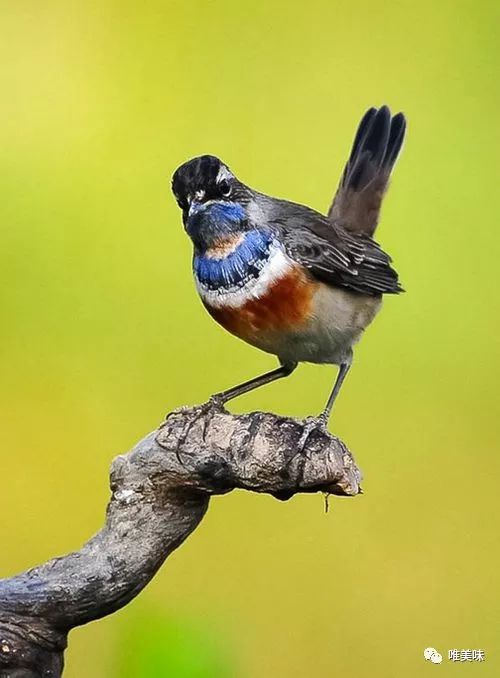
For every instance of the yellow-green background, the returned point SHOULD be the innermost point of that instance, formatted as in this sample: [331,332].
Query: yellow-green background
[102,333]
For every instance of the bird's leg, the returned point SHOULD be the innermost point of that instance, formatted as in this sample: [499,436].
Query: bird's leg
[342,374]
[225,396]
[321,422]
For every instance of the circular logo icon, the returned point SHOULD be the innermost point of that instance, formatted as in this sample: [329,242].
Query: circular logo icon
[432,655]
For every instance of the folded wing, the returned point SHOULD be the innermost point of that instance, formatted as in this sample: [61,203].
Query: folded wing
[334,255]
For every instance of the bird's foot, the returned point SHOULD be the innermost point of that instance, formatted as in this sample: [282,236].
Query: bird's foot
[206,411]
[215,402]
[311,424]
[214,405]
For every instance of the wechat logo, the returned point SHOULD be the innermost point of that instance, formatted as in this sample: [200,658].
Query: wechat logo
[432,655]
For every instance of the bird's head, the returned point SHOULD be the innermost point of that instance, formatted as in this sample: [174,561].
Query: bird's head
[212,200]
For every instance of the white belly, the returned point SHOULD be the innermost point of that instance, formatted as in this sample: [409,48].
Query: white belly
[338,320]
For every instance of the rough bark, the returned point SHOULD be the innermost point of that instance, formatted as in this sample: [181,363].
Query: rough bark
[160,492]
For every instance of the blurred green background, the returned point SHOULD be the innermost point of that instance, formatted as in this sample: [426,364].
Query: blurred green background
[102,332]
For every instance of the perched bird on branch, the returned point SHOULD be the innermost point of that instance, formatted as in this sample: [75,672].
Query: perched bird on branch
[283,277]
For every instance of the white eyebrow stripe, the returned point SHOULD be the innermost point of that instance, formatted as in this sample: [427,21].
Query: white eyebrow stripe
[223,173]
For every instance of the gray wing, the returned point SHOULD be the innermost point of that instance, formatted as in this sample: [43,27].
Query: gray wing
[331,253]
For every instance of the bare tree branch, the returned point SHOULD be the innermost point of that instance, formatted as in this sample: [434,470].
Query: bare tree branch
[160,492]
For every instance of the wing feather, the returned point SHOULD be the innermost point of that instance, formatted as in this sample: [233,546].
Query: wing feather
[333,254]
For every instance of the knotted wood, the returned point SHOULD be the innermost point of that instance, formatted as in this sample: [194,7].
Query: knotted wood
[160,493]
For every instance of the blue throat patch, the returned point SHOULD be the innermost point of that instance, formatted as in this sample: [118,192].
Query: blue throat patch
[212,220]
[236,268]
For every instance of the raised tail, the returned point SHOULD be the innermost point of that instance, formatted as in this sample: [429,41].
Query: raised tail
[366,175]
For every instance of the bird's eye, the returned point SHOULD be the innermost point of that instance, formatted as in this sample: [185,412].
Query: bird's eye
[224,188]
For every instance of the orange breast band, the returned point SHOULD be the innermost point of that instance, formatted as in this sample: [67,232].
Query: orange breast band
[285,305]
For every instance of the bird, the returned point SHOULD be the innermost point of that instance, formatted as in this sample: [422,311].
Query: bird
[283,277]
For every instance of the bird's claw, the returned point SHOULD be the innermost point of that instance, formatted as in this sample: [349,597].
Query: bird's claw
[211,407]
[215,402]
[311,424]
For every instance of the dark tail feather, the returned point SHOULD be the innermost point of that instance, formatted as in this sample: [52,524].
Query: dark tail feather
[396,136]
[363,128]
[366,175]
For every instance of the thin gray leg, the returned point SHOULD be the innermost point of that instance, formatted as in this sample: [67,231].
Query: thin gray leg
[282,371]
[343,370]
